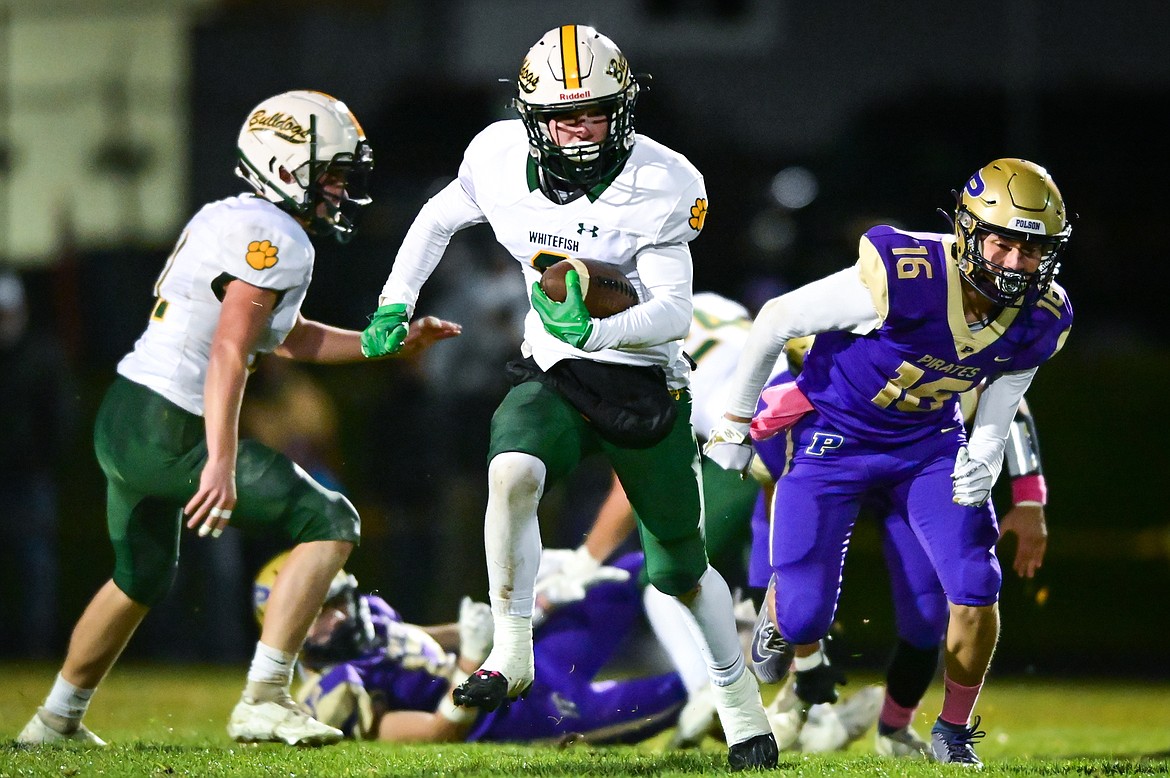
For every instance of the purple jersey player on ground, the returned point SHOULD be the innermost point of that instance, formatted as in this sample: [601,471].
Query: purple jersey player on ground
[919,319]
[376,677]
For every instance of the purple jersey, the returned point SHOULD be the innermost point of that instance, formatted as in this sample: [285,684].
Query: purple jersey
[899,383]
[405,670]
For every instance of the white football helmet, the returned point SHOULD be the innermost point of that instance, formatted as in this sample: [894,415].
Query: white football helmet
[1017,199]
[296,147]
[571,68]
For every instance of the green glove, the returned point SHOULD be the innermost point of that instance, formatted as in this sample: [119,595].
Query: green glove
[570,321]
[386,332]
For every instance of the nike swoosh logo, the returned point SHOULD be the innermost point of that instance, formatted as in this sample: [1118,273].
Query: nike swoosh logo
[949,429]
[763,638]
[1003,359]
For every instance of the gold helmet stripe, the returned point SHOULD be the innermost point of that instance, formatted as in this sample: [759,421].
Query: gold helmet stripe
[569,64]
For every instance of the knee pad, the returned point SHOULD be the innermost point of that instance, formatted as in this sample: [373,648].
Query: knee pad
[146,549]
[321,514]
[675,567]
[516,472]
[146,585]
[802,616]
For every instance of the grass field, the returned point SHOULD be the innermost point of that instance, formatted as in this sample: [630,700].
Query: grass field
[169,720]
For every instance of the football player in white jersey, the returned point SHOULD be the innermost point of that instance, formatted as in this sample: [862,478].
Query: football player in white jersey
[571,179]
[167,434]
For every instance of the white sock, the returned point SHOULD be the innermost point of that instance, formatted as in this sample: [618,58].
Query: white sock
[271,666]
[715,631]
[675,629]
[68,701]
[803,663]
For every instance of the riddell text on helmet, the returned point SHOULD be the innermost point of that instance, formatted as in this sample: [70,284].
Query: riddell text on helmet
[583,94]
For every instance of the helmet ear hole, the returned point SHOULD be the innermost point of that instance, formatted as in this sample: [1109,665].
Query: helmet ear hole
[285,176]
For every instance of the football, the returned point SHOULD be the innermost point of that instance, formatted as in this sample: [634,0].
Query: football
[605,288]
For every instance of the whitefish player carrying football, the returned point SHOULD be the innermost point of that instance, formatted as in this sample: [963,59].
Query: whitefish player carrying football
[572,179]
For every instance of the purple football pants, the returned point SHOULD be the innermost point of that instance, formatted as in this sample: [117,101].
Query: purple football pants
[932,546]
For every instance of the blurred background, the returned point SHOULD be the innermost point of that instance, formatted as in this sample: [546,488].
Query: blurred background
[810,120]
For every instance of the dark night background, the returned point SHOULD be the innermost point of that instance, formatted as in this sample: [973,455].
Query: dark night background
[889,109]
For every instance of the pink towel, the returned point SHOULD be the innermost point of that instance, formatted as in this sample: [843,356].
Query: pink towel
[784,404]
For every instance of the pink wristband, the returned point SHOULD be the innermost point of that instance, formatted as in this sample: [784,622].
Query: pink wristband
[1029,488]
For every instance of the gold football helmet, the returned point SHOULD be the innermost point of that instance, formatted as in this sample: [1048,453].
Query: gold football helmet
[795,350]
[572,68]
[1016,199]
[348,640]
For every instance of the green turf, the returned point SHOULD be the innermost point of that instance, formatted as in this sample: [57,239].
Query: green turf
[169,720]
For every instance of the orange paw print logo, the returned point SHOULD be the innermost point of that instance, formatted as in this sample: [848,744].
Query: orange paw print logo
[262,254]
[698,214]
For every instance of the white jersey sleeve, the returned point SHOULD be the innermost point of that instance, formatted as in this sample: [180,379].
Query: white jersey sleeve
[243,238]
[449,211]
[840,301]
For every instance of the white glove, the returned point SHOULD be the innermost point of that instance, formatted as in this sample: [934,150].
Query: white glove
[972,480]
[552,561]
[577,574]
[729,446]
[476,630]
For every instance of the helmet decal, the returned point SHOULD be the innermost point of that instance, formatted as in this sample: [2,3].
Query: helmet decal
[528,80]
[1027,225]
[261,254]
[976,186]
[285,127]
[570,65]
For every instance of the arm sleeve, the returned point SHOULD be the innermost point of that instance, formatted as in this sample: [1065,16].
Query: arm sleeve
[666,273]
[449,211]
[1023,444]
[997,409]
[840,301]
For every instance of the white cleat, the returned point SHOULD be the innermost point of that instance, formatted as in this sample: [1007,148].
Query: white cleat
[903,743]
[834,727]
[37,733]
[278,722]
[698,719]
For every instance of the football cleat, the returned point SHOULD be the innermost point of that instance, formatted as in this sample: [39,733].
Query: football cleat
[755,753]
[278,722]
[486,689]
[36,733]
[902,743]
[834,727]
[698,719]
[955,743]
[771,653]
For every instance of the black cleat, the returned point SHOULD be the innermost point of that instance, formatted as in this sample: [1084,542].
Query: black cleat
[485,689]
[819,685]
[755,753]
